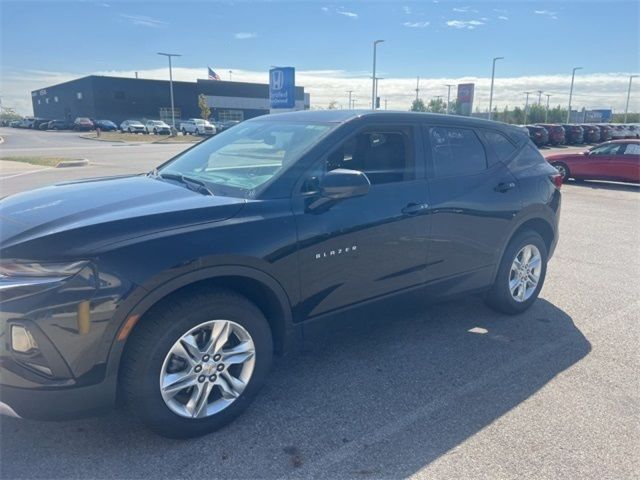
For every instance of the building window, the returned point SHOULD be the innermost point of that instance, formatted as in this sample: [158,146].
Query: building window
[79,95]
[46,100]
[55,99]
[38,101]
[118,95]
[230,115]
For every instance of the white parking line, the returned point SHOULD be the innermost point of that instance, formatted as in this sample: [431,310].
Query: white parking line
[23,173]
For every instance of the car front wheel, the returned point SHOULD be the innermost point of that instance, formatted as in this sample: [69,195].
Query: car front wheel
[196,363]
[520,275]
[563,170]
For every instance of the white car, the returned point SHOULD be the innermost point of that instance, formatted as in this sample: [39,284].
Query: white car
[132,126]
[158,127]
[197,126]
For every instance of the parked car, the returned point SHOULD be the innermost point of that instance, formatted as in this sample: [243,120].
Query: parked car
[226,125]
[26,122]
[15,123]
[132,126]
[633,131]
[157,127]
[555,132]
[106,125]
[538,135]
[617,160]
[591,133]
[573,134]
[197,126]
[44,125]
[174,288]
[39,121]
[83,124]
[618,131]
[60,125]
[605,132]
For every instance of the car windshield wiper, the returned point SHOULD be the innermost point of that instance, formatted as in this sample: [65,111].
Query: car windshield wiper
[192,183]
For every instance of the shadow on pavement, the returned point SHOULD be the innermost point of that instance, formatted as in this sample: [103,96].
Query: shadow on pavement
[603,185]
[381,396]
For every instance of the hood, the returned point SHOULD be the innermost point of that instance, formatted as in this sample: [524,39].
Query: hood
[85,216]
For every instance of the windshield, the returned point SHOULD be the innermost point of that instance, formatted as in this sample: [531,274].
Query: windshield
[239,161]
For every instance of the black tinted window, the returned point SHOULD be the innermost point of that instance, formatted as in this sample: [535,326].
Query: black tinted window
[501,145]
[456,151]
[385,155]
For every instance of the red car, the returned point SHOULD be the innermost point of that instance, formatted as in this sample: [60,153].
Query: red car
[556,133]
[618,160]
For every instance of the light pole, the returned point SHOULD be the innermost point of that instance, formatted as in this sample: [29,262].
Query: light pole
[173,117]
[526,106]
[448,85]
[230,73]
[417,88]
[493,74]
[573,76]
[373,86]
[349,92]
[626,108]
[546,113]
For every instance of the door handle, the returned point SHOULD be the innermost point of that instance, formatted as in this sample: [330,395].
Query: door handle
[505,187]
[413,208]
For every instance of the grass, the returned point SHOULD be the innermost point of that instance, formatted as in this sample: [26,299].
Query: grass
[44,161]
[139,137]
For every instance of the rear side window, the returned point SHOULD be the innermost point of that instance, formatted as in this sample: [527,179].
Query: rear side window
[501,145]
[632,149]
[456,151]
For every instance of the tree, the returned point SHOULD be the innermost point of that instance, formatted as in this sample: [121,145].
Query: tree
[205,111]
[418,106]
[9,114]
[517,116]
[436,105]
[333,105]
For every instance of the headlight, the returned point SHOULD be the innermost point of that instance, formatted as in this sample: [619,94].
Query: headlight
[20,269]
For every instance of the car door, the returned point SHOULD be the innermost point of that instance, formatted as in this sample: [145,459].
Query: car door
[598,163]
[365,247]
[628,163]
[474,198]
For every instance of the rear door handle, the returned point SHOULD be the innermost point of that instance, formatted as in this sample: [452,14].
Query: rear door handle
[505,186]
[413,208]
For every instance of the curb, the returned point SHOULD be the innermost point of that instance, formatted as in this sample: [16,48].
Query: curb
[102,139]
[81,162]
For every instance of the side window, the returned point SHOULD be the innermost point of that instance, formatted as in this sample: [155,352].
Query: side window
[501,145]
[456,151]
[632,149]
[385,155]
[611,149]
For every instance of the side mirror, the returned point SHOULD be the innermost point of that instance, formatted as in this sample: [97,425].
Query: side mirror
[337,185]
[342,183]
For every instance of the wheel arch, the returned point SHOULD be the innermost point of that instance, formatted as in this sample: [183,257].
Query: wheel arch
[260,288]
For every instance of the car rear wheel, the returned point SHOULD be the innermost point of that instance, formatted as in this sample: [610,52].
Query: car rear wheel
[195,364]
[563,170]
[520,275]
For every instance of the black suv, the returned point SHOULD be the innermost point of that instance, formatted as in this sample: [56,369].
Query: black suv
[172,290]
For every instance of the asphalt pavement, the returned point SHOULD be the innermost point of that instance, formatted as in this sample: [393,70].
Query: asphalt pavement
[443,391]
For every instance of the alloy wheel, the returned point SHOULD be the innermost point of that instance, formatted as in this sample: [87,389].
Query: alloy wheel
[207,369]
[525,273]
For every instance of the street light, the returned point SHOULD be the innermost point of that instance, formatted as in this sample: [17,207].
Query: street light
[493,73]
[526,106]
[448,85]
[546,113]
[626,108]
[173,117]
[373,86]
[573,75]
[349,92]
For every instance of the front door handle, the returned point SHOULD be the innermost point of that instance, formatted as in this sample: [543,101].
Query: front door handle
[505,187]
[413,208]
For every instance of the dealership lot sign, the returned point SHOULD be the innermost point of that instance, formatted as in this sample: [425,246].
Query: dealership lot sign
[282,83]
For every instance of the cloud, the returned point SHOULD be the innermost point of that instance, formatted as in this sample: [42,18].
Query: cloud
[245,35]
[500,10]
[347,14]
[407,10]
[502,17]
[547,13]
[143,21]
[465,24]
[324,9]
[416,24]
[596,90]
[465,10]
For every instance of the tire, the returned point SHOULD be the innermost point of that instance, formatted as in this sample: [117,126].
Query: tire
[148,360]
[563,170]
[129,130]
[500,296]
[184,132]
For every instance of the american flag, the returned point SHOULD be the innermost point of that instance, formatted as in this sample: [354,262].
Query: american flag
[213,75]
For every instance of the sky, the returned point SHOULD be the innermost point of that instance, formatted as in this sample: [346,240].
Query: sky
[330,44]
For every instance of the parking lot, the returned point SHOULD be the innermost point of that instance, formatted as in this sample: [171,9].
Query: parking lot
[452,390]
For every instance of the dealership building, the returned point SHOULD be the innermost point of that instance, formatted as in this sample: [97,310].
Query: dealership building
[119,99]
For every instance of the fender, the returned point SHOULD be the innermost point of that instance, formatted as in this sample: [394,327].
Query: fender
[141,300]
